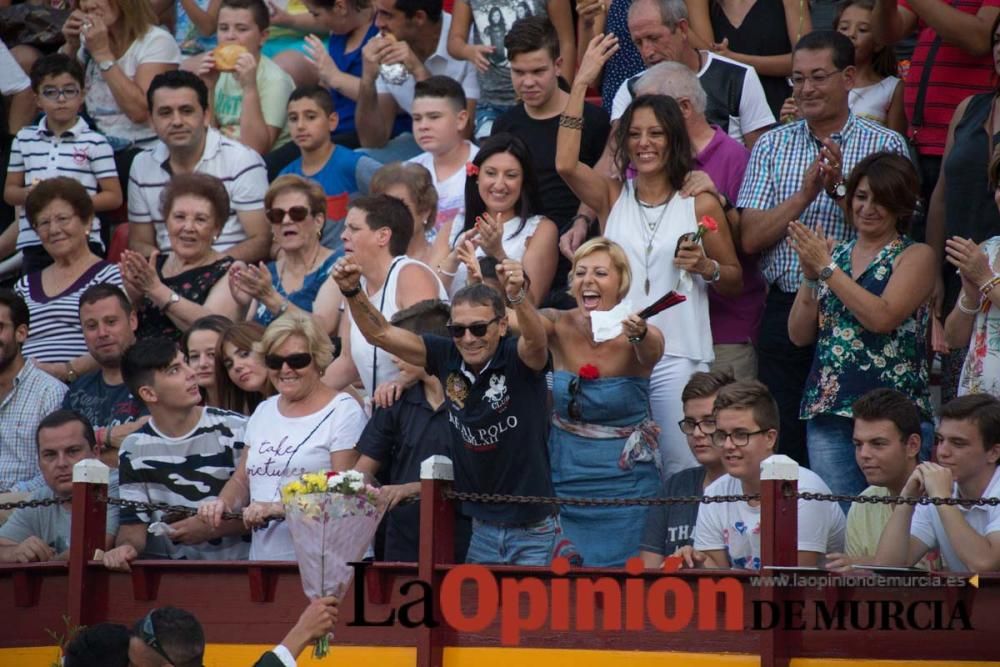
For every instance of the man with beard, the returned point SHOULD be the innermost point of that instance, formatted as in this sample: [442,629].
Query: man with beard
[27,394]
[108,322]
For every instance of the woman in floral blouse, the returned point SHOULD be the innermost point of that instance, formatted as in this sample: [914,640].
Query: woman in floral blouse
[976,315]
[864,304]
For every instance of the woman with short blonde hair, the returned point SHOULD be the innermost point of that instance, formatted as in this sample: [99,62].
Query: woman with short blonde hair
[305,427]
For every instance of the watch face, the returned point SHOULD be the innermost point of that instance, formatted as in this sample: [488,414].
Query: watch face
[825,273]
[840,190]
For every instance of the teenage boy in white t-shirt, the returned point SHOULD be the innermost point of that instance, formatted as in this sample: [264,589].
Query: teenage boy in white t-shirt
[968,449]
[728,534]
[440,118]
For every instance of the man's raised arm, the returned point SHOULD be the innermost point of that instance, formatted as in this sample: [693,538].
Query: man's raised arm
[374,327]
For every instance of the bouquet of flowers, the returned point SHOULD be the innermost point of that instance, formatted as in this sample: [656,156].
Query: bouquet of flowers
[332,517]
[706,224]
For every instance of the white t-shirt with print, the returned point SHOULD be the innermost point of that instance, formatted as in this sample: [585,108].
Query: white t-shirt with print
[451,191]
[735,527]
[156,46]
[927,527]
[279,447]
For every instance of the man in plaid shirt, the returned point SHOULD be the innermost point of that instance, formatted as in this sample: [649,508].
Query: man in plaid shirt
[798,172]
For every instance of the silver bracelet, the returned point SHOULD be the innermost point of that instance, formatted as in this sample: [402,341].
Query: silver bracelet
[965,309]
[450,274]
[519,299]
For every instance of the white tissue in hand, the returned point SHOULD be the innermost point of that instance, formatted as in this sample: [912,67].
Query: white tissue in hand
[607,324]
[160,529]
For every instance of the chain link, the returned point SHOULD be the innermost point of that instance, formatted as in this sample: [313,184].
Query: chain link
[44,502]
[499,498]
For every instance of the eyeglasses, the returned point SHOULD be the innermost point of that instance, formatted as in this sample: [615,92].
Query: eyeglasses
[69,92]
[55,221]
[296,213]
[573,409]
[296,361]
[148,632]
[816,79]
[688,426]
[739,437]
[478,329]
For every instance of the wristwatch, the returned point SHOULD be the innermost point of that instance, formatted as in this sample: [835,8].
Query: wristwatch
[827,271]
[838,192]
[174,298]
[105,65]
[715,274]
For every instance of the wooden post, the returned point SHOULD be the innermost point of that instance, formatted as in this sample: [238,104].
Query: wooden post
[779,512]
[88,594]
[437,546]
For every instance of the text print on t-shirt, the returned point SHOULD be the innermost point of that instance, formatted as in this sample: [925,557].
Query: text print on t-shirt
[276,463]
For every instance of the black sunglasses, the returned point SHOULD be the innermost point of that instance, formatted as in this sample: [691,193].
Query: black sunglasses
[574,405]
[478,329]
[295,361]
[296,213]
[148,632]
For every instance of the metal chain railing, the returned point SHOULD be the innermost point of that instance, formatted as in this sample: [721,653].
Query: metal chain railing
[498,498]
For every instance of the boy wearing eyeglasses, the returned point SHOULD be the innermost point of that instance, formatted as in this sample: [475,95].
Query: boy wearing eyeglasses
[342,172]
[727,535]
[670,527]
[61,144]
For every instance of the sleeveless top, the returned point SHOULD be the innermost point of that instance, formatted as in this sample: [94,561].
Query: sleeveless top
[686,328]
[850,361]
[373,364]
[872,102]
[193,284]
[981,370]
[304,296]
[970,211]
[514,244]
[762,33]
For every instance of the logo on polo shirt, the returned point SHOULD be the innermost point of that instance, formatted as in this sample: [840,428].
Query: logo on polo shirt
[497,393]
[457,389]
[80,155]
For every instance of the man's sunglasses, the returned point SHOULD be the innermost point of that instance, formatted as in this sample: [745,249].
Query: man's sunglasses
[147,633]
[573,409]
[296,213]
[295,361]
[478,329]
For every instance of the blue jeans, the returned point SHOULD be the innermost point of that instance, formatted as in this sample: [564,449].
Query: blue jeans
[528,544]
[486,113]
[830,439]
[398,149]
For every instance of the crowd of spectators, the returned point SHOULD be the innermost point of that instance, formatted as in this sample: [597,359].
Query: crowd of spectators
[246,242]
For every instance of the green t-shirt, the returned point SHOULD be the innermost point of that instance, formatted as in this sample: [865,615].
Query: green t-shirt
[274,86]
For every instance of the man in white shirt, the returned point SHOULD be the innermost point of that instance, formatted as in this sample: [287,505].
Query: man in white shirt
[178,111]
[728,534]
[967,454]
[16,87]
[414,34]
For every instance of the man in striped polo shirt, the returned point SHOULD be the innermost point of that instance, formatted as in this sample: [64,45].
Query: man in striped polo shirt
[179,112]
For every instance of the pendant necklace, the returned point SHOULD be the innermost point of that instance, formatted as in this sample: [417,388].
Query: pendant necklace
[649,229]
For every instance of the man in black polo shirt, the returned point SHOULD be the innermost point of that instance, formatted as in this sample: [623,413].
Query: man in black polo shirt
[495,389]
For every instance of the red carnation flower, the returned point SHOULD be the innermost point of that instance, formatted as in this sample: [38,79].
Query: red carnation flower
[471,169]
[589,372]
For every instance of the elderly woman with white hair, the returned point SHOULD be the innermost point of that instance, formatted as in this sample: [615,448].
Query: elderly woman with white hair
[719,164]
[305,427]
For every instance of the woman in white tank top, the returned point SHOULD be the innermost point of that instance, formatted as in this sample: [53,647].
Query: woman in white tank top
[649,218]
[501,199]
[376,233]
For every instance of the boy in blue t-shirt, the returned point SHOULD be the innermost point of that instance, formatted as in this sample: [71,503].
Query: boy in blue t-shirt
[341,172]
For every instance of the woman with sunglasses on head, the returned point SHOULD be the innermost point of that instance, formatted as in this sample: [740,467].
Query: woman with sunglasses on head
[297,280]
[377,233]
[656,227]
[603,442]
[306,427]
[240,373]
[187,283]
[501,205]
[199,344]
